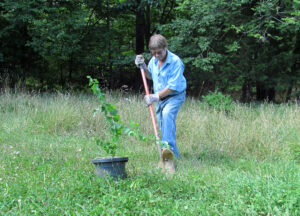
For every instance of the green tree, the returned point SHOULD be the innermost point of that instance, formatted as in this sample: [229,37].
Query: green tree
[239,45]
[17,58]
[64,34]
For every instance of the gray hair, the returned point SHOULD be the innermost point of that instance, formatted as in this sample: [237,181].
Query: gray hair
[157,41]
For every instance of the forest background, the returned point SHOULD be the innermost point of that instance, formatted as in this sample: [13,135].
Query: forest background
[247,48]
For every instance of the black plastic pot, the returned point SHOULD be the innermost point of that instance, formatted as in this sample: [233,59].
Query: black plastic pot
[112,166]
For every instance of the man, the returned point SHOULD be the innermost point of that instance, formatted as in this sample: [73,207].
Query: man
[166,71]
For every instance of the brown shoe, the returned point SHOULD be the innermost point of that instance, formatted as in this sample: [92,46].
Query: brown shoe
[167,154]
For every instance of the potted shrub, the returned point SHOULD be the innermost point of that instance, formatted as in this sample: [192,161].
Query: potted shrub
[111,164]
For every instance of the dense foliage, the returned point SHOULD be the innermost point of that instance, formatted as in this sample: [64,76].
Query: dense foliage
[250,46]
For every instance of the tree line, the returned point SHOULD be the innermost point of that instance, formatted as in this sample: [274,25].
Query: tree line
[246,46]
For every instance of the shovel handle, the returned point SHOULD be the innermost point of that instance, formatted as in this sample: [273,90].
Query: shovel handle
[151,112]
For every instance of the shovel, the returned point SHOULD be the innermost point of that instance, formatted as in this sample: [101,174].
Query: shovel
[166,155]
[152,117]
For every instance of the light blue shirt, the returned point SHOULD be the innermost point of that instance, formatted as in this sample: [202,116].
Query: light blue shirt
[169,75]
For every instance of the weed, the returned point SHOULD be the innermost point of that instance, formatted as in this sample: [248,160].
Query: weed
[219,101]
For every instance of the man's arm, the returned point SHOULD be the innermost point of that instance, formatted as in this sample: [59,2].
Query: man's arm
[165,92]
[147,74]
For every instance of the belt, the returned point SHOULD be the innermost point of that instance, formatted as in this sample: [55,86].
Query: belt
[169,96]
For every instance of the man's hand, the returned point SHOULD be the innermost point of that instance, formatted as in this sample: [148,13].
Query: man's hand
[151,98]
[140,62]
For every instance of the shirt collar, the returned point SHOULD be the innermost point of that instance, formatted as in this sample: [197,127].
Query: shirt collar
[168,60]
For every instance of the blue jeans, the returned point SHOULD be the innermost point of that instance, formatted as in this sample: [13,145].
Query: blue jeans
[166,113]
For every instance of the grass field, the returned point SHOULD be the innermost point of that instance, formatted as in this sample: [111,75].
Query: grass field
[242,162]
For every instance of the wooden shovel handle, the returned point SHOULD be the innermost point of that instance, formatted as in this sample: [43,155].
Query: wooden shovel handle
[151,113]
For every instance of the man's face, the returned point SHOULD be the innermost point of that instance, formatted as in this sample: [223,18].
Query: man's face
[160,54]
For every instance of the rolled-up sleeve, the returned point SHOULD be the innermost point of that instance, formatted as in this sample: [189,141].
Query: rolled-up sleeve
[175,81]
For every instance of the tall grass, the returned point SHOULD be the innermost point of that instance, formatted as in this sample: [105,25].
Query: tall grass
[264,131]
[241,162]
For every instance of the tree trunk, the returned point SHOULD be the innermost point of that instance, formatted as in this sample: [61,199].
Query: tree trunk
[42,84]
[70,71]
[246,92]
[111,80]
[140,36]
[25,58]
[140,30]
[263,93]
[61,77]
[147,25]
[288,94]
[271,94]
[260,91]
[296,65]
